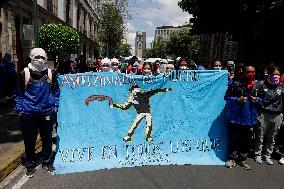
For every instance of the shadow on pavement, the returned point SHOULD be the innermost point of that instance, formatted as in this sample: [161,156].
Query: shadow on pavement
[10,131]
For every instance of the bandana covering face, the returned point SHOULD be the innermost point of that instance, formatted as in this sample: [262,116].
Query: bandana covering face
[38,64]
[273,79]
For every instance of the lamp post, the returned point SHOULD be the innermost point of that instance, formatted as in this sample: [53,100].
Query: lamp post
[35,22]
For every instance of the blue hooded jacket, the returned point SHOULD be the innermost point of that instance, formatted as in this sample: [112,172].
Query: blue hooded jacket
[246,113]
[39,98]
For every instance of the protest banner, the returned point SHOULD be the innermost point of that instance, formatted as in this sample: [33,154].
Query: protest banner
[110,120]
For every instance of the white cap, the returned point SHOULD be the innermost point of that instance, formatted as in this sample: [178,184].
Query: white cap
[38,52]
[105,61]
[114,60]
[164,61]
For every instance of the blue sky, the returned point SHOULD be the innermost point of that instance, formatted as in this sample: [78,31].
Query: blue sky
[149,14]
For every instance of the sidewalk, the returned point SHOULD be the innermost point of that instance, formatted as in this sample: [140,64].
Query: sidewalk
[11,141]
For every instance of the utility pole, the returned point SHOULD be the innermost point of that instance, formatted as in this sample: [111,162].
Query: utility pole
[35,22]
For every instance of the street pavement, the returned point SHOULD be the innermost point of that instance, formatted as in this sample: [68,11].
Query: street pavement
[155,177]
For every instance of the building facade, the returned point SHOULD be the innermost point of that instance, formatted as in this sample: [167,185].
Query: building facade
[140,43]
[164,32]
[21,18]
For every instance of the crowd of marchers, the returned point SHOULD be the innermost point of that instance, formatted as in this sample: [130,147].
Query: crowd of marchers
[254,101]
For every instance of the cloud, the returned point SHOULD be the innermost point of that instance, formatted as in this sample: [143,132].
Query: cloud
[149,14]
[149,23]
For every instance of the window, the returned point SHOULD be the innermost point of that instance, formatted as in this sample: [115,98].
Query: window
[165,32]
[158,32]
[168,32]
[140,46]
[161,32]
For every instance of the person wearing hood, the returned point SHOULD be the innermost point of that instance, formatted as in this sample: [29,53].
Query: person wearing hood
[106,65]
[242,116]
[114,65]
[272,94]
[36,102]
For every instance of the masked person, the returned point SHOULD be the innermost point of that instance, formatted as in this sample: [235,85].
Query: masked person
[217,65]
[156,68]
[242,116]
[92,66]
[134,68]
[114,65]
[183,64]
[36,101]
[170,68]
[139,69]
[272,94]
[132,61]
[99,64]
[106,65]
[147,69]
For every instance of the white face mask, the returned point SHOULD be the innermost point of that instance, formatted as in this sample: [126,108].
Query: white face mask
[146,72]
[217,68]
[105,69]
[183,68]
[38,65]
[115,68]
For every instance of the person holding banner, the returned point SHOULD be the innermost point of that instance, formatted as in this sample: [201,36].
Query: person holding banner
[36,102]
[242,116]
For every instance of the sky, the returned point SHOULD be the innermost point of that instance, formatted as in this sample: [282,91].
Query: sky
[149,14]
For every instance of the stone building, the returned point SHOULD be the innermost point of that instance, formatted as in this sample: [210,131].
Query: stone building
[164,32]
[140,43]
[17,23]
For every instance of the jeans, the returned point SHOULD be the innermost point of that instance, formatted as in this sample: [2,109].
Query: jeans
[30,125]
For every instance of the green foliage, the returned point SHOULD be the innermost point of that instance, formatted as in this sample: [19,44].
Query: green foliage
[125,50]
[111,31]
[57,38]
[183,44]
[180,44]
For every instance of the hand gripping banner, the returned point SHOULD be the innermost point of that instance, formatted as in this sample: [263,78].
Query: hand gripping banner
[110,120]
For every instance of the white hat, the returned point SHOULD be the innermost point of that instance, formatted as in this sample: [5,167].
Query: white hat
[164,61]
[114,60]
[38,52]
[105,61]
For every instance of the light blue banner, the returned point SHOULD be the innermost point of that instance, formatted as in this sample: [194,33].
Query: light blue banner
[109,120]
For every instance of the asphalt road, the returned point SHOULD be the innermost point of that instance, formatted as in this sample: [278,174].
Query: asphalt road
[155,177]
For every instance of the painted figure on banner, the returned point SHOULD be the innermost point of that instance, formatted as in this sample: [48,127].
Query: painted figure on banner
[141,102]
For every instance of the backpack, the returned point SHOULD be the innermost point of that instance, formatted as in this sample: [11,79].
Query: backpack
[28,75]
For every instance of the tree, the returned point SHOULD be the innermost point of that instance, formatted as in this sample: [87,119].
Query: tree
[159,48]
[57,38]
[183,44]
[125,50]
[111,31]
[253,23]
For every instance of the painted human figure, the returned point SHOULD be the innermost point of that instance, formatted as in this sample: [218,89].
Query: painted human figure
[141,102]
